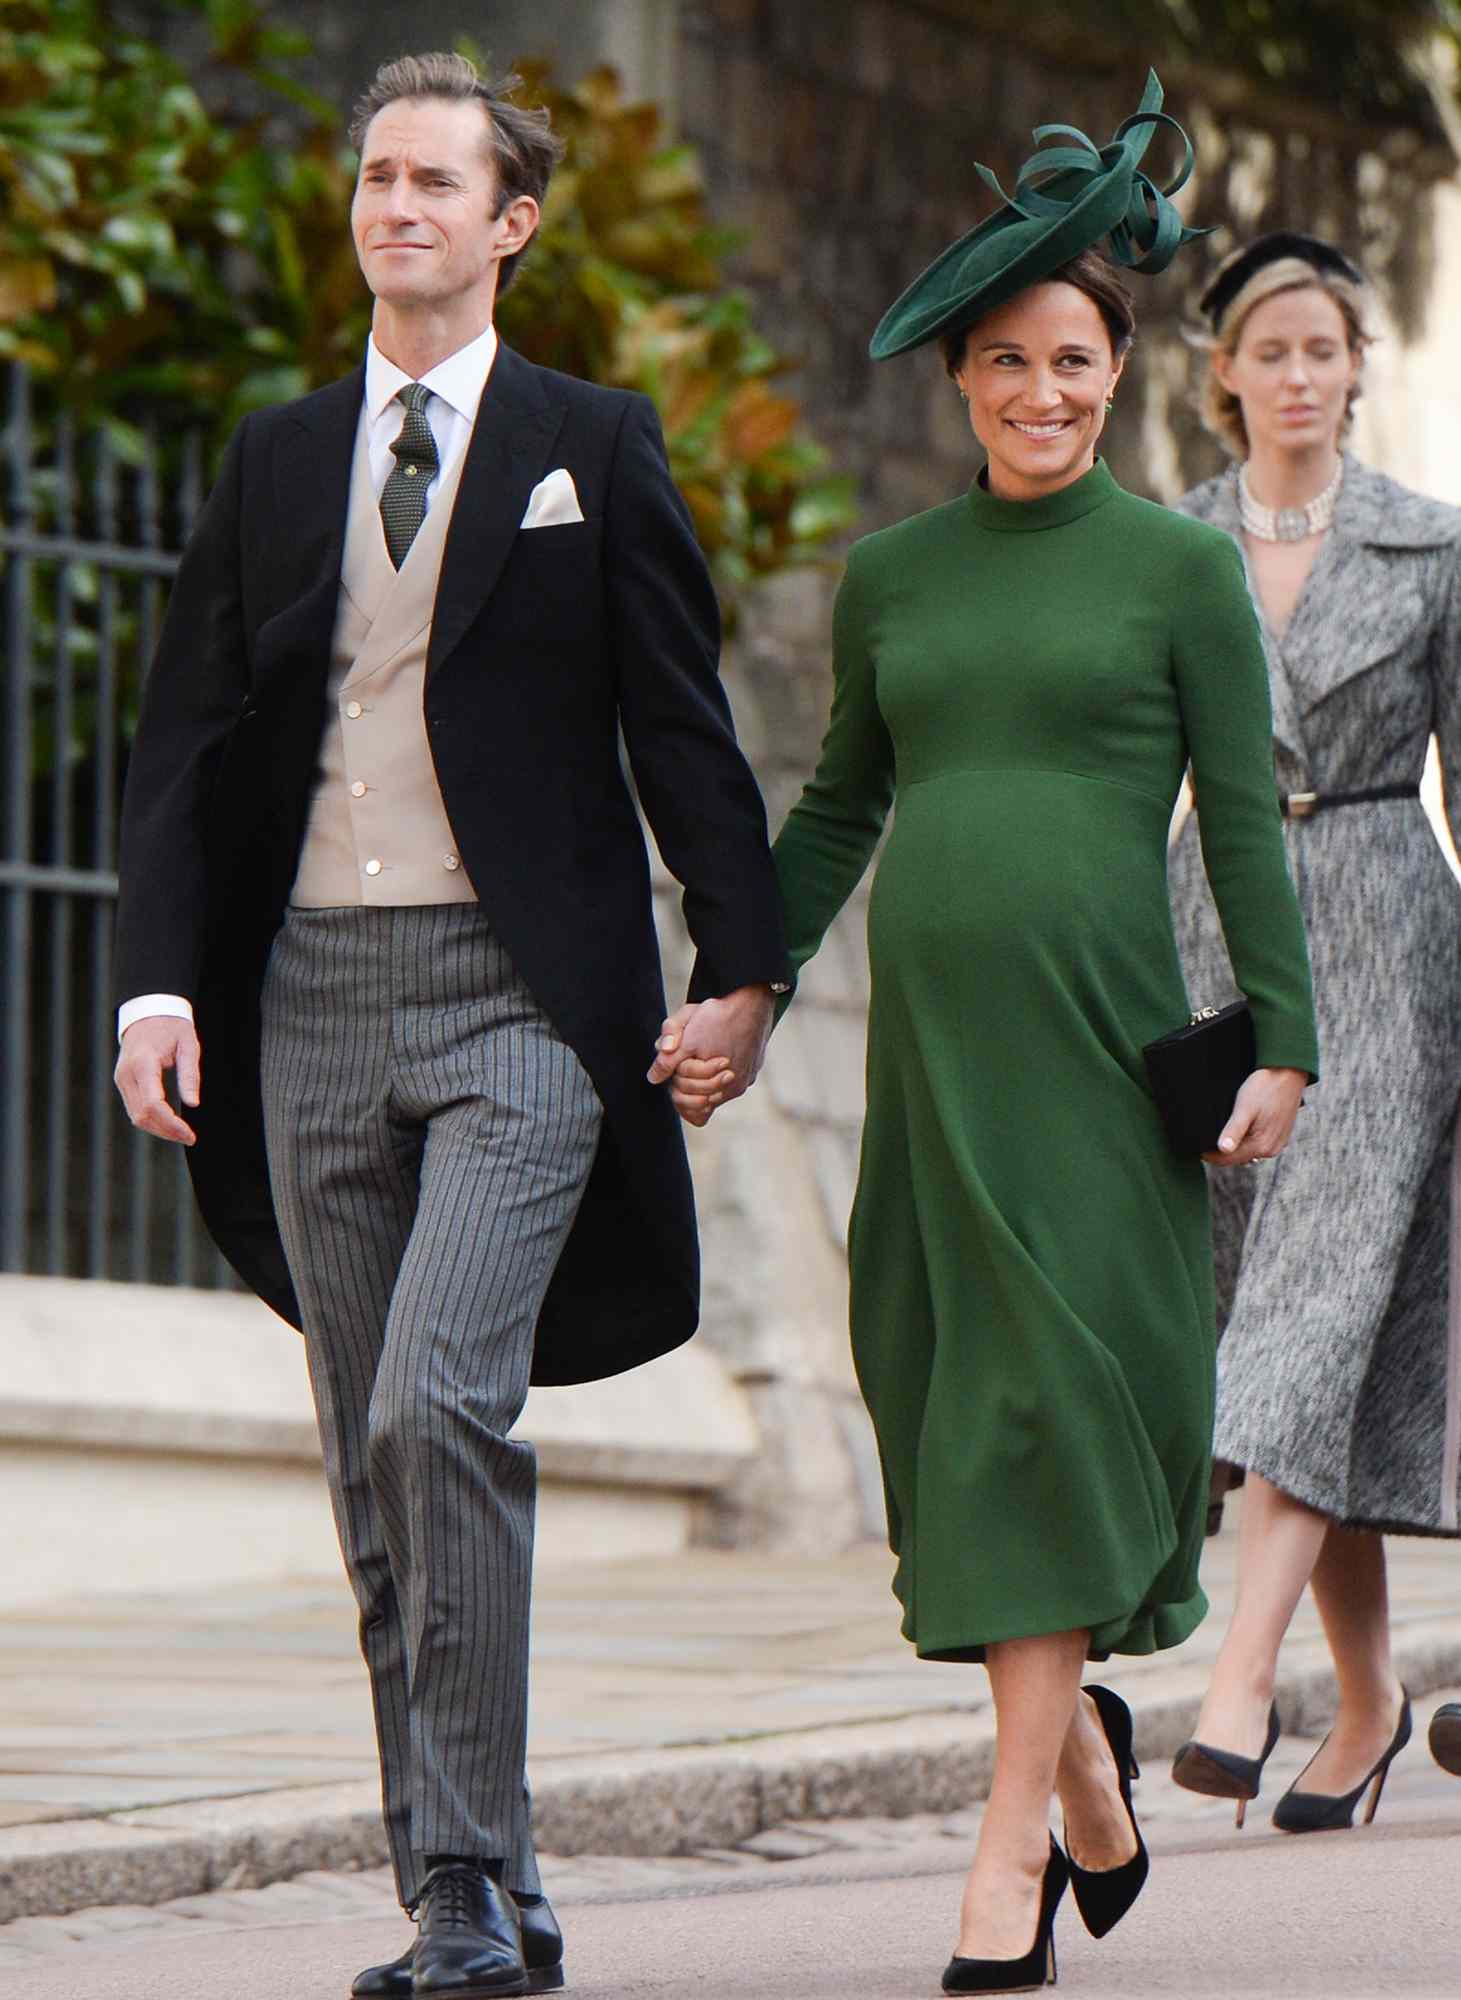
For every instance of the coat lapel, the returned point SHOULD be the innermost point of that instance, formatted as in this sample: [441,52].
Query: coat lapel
[310,500]
[507,454]
[1360,600]
[1222,512]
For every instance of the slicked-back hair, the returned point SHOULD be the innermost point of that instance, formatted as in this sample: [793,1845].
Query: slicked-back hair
[521,142]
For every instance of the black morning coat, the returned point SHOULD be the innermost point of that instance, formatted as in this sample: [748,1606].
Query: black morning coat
[544,645]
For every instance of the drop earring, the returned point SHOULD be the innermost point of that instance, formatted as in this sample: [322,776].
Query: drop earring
[1110,404]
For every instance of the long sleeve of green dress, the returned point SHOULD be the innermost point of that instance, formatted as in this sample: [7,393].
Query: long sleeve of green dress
[1031,1276]
[830,836]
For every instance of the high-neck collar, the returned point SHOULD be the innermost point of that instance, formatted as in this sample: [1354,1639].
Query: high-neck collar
[1052,510]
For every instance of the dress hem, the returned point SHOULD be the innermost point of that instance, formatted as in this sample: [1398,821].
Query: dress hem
[1135,1634]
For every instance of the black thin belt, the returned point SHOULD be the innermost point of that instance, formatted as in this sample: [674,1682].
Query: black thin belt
[1304,805]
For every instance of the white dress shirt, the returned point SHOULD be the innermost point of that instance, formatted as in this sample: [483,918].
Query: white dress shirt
[456,386]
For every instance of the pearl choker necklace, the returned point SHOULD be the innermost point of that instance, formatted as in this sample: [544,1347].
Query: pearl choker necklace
[1287,524]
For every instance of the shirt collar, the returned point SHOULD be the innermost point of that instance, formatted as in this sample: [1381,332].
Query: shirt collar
[459,380]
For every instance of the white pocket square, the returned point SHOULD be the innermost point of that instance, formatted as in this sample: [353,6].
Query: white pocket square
[553,501]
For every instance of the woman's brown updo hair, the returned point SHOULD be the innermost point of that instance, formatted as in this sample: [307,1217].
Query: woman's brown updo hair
[1102,284]
[1220,409]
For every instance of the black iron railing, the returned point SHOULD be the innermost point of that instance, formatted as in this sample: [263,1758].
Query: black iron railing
[89,537]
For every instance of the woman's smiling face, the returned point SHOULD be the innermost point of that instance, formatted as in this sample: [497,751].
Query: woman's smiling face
[1038,372]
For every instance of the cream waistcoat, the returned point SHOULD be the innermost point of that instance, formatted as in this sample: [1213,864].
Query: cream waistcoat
[378,831]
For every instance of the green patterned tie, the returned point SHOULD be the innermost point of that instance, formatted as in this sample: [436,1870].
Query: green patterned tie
[403,498]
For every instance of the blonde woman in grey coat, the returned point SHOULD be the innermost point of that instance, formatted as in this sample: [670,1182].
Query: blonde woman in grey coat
[1339,1373]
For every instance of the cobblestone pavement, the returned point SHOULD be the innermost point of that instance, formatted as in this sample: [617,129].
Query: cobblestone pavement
[1419,1794]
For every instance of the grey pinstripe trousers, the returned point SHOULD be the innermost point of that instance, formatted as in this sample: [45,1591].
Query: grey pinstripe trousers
[429,1139]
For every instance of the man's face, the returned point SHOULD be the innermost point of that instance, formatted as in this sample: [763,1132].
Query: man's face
[422,217]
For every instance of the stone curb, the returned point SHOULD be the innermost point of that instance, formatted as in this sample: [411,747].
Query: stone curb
[661,1802]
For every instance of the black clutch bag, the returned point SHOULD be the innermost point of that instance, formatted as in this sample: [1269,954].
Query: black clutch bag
[1196,1073]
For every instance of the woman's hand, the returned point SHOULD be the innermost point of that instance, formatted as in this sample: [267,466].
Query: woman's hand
[1263,1118]
[711,1051]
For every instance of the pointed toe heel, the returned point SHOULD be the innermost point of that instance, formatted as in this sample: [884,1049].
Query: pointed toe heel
[1104,1895]
[1223,1774]
[1037,1967]
[1318,1812]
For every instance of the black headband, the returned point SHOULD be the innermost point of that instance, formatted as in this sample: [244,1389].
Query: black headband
[1312,250]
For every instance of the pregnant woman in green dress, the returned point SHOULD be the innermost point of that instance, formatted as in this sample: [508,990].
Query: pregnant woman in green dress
[1027,671]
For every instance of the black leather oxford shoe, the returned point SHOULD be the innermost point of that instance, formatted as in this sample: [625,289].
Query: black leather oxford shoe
[386,1982]
[469,1944]
[542,1954]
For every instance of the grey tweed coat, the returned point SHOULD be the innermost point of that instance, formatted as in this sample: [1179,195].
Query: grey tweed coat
[1339,1265]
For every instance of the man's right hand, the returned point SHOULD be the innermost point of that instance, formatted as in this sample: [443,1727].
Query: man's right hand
[150,1047]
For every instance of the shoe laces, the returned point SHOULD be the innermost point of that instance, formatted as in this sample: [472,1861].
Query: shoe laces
[454,1893]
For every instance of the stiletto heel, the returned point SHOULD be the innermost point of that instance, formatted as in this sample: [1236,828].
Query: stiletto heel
[1037,1967]
[1223,1774]
[1316,1812]
[1104,1895]
[1375,1790]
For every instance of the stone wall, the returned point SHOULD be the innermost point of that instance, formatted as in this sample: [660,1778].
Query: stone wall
[839,136]
[156,1438]
[775,1171]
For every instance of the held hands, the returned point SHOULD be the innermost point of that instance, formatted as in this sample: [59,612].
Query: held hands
[712,1051]
[1263,1118]
[157,1043]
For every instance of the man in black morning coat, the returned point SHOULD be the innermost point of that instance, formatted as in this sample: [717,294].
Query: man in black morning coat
[376,805]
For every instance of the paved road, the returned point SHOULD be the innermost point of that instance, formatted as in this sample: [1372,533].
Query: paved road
[1375,1915]
[857,1909]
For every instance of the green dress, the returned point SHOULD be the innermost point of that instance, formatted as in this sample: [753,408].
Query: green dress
[1031,1272]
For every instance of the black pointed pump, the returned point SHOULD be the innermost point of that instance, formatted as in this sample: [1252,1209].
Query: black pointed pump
[1037,1967]
[1104,1895]
[1317,1812]
[1223,1774]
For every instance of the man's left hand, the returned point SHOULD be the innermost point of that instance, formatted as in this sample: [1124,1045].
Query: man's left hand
[712,1051]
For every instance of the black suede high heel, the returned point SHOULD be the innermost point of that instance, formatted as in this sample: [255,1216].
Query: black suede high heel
[1037,1967]
[1104,1895]
[1317,1812]
[1223,1774]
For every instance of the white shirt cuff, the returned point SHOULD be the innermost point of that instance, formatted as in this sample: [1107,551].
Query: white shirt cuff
[172,1004]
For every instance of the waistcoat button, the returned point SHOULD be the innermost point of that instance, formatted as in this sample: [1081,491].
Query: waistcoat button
[374,867]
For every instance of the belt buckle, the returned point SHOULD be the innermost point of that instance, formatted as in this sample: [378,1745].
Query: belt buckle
[1301,805]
